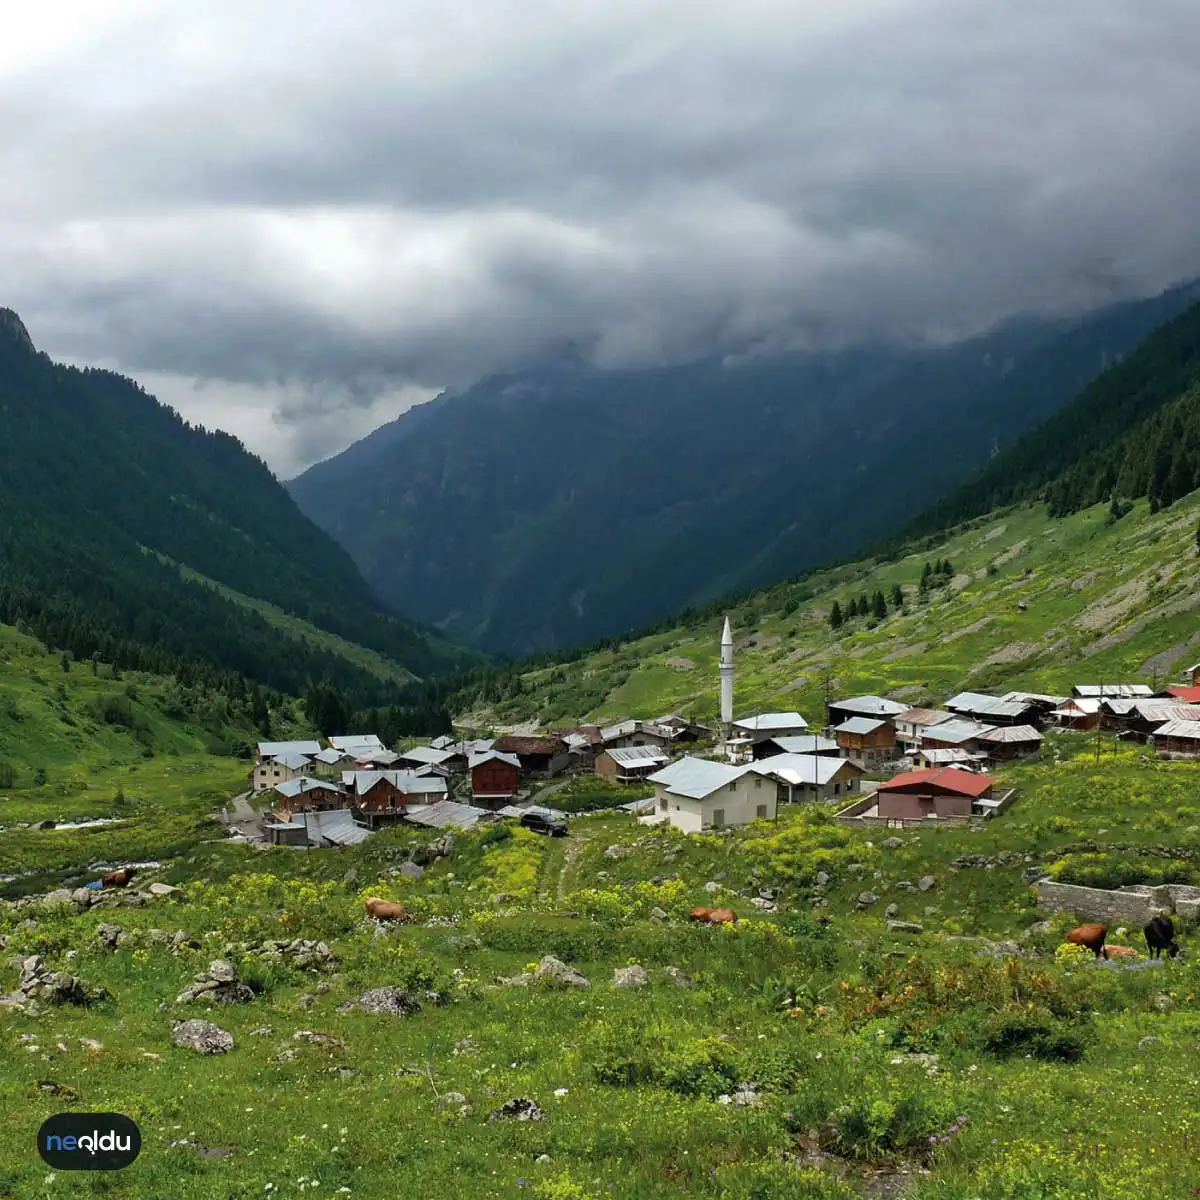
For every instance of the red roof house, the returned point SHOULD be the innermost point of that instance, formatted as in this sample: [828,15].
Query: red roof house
[1187,695]
[942,792]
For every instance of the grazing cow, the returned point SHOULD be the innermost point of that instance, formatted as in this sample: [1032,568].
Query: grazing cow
[119,878]
[1160,936]
[714,916]
[1120,952]
[1091,936]
[386,910]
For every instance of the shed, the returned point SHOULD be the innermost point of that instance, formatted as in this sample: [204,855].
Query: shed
[627,764]
[940,792]
[1078,713]
[448,812]
[1178,737]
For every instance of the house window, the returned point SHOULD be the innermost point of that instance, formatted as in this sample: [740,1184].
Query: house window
[662,804]
[758,781]
[761,812]
[732,786]
[837,789]
[718,816]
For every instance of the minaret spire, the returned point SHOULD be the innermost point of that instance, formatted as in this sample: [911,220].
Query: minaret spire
[726,669]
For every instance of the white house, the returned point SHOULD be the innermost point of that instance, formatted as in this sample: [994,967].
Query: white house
[749,732]
[694,794]
[810,776]
[281,767]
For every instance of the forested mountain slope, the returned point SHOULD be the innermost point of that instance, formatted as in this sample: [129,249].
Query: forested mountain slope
[105,494]
[567,504]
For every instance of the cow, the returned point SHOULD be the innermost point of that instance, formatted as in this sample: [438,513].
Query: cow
[1120,952]
[1090,936]
[713,916]
[1160,936]
[119,878]
[386,910]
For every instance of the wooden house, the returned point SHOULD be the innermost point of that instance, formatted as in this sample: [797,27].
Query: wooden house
[1009,741]
[992,710]
[387,795]
[1178,738]
[839,711]
[628,764]
[942,792]
[912,724]
[306,794]
[959,734]
[1078,714]
[867,741]
[537,755]
[495,776]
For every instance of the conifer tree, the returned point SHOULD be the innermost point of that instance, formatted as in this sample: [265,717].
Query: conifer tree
[878,605]
[897,596]
[835,613]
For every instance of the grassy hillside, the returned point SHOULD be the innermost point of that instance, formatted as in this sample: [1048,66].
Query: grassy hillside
[1103,602]
[879,1065]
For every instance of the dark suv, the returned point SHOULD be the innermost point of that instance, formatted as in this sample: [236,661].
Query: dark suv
[540,823]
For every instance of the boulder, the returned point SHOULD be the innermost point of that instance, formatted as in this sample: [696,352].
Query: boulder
[83,897]
[630,977]
[110,936]
[59,896]
[677,977]
[657,914]
[520,1108]
[764,905]
[222,971]
[384,1001]
[891,910]
[555,971]
[926,882]
[892,843]
[712,887]
[38,982]
[202,1036]
[905,927]
[823,878]
[164,889]
[866,899]
[410,870]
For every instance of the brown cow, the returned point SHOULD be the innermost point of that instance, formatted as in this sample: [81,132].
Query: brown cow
[1120,952]
[386,910]
[1091,936]
[713,916]
[119,878]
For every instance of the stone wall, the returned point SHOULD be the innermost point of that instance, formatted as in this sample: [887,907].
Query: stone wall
[1129,906]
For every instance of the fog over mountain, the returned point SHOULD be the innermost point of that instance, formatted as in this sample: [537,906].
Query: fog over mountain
[294,220]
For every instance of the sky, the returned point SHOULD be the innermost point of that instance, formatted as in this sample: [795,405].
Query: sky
[293,220]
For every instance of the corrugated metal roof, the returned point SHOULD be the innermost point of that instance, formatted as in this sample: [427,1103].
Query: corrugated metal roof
[274,749]
[945,779]
[957,731]
[1121,690]
[943,757]
[1034,698]
[799,769]
[332,756]
[338,827]
[989,706]
[620,730]
[488,755]
[1179,729]
[1118,708]
[408,782]
[696,777]
[442,743]
[448,812]
[638,756]
[1011,733]
[924,716]
[860,725]
[1078,708]
[357,743]
[426,754]
[766,722]
[869,706]
[293,762]
[517,744]
[804,743]
[1166,710]
[302,784]
[644,805]
[512,810]
[1190,695]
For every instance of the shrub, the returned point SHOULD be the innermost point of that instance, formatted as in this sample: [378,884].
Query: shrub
[1036,1033]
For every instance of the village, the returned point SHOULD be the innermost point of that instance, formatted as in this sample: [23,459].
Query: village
[876,761]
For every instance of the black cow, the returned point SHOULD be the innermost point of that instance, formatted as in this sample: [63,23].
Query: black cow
[1160,936]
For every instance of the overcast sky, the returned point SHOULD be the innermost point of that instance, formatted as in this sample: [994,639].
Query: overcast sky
[293,219]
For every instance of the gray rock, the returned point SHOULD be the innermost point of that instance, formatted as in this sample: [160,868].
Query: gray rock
[630,977]
[202,1036]
[677,977]
[905,927]
[866,899]
[58,896]
[261,1031]
[222,971]
[823,878]
[657,914]
[351,876]
[384,1001]
[892,843]
[1147,1042]
[38,982]
[1163,1003]
[411,870]
[768,893]
[306,1000]
[616,851]
[764,905]
[520,1108]
[110,936]
[164,889]
[313,1037]
[926,882]
[930,910]
[891,910]
[82,897]
[555,971]
[449,1098]
[712,887]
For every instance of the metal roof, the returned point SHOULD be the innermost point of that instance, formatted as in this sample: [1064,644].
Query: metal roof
[945,779]
[1034,698]
[944,756]
[448,812]
[696,777]
[408,782]
[805,768]
[511,810]
[426,754]
[293,761]
[1011,733]
[924,716]
[869,706]
[1118,708]
[989,706]
[442,743]
[644,805]
[859,725]
[638,755]
[1190,695]
[274,749]
[804,743]
[1079,708]
[488,755]
[765,722]
[332,756]
[1179,729]
[957,731]
[357,743]
[621,729]
[1169,709]
[1120,690]
[302,784]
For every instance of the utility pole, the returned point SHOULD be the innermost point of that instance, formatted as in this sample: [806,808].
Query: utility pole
[1099,722]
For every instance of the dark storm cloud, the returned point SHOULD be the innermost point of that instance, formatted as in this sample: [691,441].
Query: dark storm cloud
[330,206]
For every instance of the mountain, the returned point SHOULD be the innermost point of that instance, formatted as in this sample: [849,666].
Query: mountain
[132,535]
[565,504]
